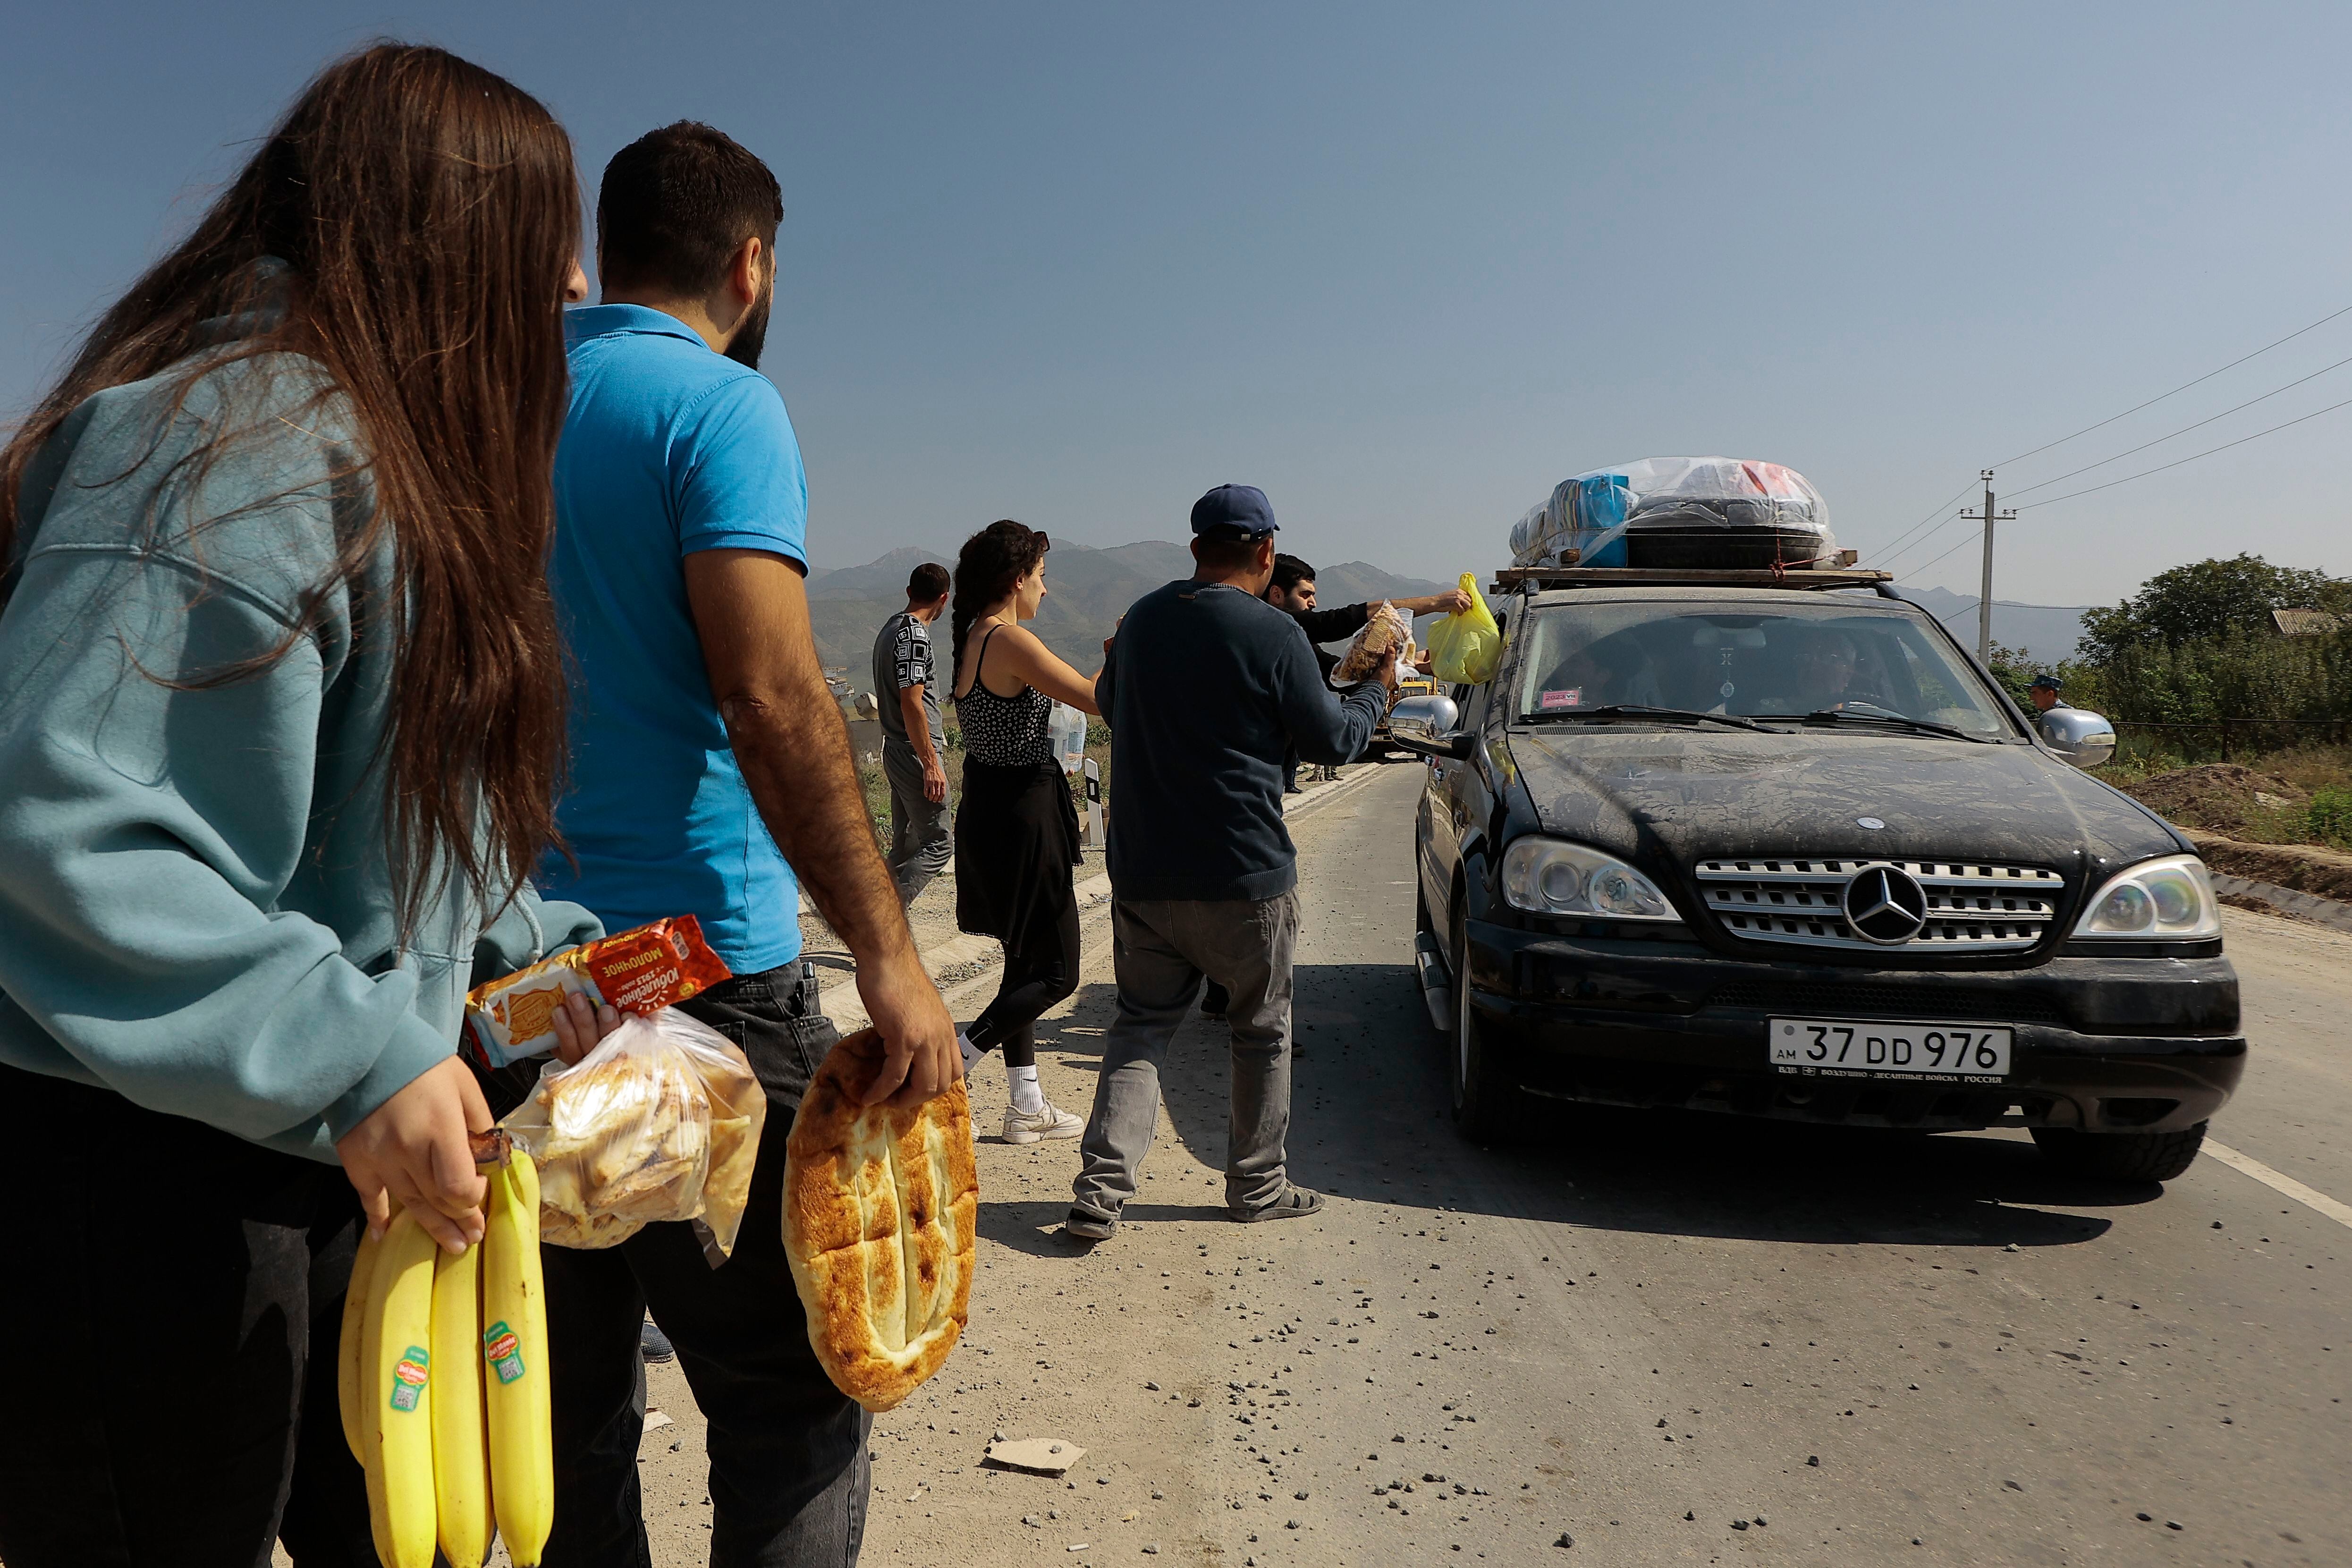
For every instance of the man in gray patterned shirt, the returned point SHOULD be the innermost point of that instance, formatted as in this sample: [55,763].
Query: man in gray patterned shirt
[914,736]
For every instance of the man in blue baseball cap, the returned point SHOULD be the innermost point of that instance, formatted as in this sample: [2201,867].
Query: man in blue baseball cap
[1206,688]
[1233,513]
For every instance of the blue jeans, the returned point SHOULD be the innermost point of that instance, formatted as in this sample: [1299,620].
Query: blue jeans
[789,1472]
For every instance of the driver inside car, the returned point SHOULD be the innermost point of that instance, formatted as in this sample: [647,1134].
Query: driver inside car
[1820,675]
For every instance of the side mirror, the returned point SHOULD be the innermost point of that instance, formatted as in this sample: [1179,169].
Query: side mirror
[2079,735]
[1426,725]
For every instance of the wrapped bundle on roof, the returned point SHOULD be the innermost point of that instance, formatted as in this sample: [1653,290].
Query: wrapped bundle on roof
[1680,514]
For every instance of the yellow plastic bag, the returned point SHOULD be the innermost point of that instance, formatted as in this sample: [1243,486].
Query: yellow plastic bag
[1465,648]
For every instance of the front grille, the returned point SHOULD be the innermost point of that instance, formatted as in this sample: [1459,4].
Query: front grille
[1971,908]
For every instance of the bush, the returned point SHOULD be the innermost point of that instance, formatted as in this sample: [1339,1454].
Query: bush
[2236,677]
[2196,647]
[2330,816]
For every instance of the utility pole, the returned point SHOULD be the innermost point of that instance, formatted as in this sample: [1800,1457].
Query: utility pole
[1984,598]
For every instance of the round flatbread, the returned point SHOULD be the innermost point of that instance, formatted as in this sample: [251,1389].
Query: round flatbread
[880,1209]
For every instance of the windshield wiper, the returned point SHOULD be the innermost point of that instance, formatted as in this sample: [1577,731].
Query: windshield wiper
[1871,714]
[1643,710]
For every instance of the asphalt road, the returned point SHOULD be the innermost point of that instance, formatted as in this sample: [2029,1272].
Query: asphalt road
[1668,1339]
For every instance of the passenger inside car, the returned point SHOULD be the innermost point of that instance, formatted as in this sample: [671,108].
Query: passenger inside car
[1603,674]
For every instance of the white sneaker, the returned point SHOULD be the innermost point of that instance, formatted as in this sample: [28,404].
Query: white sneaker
[1052,1121]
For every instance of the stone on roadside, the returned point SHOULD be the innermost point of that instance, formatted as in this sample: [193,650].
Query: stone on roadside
[1036,1455]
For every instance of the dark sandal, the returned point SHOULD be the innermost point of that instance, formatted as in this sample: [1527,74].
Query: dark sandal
[1295,1203]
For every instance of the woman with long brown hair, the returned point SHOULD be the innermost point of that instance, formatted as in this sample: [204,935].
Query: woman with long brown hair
[1016,833]
[280,720]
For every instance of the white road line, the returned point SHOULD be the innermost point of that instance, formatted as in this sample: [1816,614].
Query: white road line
[2280,1182]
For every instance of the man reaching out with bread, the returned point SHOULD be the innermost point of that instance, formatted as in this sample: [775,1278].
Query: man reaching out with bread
[1207,687]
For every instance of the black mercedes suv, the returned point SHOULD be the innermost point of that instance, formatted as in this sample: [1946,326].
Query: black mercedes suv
[1784,852]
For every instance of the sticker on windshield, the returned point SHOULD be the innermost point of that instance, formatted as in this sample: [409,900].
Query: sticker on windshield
[1572,697]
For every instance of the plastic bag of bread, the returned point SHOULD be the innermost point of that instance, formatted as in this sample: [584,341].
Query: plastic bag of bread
[660,1122]
[881,1207]
[1387,632]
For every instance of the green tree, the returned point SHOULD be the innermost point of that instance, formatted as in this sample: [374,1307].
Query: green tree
[2207,600]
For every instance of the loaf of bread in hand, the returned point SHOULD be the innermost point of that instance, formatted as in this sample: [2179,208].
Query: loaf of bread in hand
[1387,632]
[880,1209]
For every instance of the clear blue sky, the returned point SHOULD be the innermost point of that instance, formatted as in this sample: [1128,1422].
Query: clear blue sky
[1405,267]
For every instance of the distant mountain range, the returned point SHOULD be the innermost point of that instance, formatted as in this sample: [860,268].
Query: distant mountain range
[1087,591]
[2046,631]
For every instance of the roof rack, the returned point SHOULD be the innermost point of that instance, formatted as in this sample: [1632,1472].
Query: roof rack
[1517,579]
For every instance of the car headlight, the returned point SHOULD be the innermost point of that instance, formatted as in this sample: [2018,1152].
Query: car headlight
[2155,901]
[1551,877]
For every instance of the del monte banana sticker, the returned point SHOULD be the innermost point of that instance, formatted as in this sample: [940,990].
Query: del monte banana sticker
[503,1350]
[408,1377]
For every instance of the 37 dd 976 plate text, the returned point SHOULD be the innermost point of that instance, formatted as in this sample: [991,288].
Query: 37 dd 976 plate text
[1871,1047]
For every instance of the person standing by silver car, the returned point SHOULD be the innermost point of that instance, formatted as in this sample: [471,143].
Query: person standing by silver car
[914,734]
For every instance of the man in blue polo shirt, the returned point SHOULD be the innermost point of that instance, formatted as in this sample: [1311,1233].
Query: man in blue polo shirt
[710,776]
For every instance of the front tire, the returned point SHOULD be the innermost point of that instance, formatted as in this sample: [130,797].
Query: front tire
[2121,1156]
[1489,1106]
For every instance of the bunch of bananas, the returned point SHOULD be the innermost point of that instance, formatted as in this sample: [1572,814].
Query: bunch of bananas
[443,1375]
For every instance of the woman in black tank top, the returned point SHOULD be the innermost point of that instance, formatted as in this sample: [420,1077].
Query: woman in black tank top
[1016,830]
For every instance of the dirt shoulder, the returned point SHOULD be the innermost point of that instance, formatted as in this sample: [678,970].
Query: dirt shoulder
[2324,873]
[2291,797]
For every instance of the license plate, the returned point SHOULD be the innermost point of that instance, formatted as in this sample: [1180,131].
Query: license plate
[1860,1047]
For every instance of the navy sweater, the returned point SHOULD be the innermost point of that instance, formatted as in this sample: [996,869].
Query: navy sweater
[1205,688]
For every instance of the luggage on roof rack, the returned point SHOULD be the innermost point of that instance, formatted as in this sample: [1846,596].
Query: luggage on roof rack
[1841,574]
[1680,514]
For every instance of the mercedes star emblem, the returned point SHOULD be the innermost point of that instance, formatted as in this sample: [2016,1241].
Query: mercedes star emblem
[1885,905]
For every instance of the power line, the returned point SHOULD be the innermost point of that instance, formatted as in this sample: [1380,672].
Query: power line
[2176,391]
[1896,547]
[2209,452]
[1967,539]
[2184,430]
[1923,521]
[1890,559]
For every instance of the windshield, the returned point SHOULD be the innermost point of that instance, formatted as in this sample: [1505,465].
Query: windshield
[1858,661]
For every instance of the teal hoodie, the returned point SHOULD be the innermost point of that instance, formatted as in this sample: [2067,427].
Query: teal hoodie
[196,911]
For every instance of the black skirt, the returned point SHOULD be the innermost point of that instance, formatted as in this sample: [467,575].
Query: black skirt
[1016,837]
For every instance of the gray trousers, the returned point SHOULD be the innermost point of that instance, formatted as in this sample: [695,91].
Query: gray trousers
[921,843]
[1160,950]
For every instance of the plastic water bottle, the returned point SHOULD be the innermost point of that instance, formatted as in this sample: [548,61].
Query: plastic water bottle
[1068,729]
